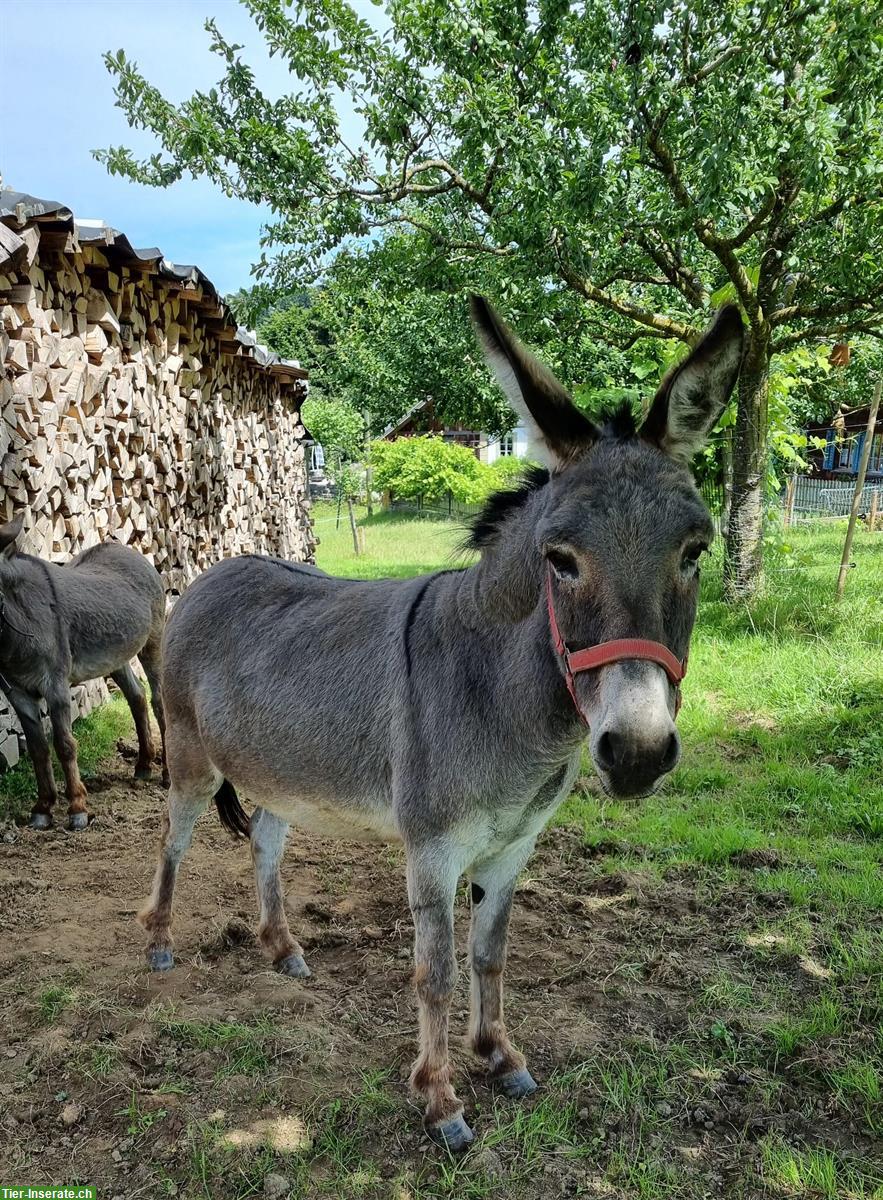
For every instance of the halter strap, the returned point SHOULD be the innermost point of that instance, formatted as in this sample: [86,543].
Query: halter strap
[618,650]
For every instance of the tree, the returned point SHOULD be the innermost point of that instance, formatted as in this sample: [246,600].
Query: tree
[649,158]
[384,348]
[336,425]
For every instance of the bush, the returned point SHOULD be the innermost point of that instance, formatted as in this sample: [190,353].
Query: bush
[431,468]
[506,473]
[427,467]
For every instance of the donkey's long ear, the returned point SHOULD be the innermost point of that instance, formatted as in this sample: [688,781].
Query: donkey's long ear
[9,535]
[693,394]
[558,432]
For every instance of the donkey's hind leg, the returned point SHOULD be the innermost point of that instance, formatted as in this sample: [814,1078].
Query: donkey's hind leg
[151,658]
[268,833]
[130,685]
[196,782]
[493,886]
[27,710]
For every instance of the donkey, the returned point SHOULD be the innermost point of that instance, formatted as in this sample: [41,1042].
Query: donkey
[448,711]
[65,624]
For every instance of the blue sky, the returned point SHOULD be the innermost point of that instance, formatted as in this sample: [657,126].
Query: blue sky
[59,106]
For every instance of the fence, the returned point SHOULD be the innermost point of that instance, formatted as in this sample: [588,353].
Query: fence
[816,499]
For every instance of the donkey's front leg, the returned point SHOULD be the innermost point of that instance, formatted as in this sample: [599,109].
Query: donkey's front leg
[59,701]
[27,709]
[493,886]
[268,834]
[432,884]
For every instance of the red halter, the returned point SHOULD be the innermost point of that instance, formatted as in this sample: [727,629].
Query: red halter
[610,652]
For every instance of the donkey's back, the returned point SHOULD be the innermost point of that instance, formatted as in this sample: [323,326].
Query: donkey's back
[274,671]
[66,624]
[113,601]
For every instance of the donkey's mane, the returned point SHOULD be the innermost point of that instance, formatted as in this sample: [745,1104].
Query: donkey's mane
[616,423]
[484,528]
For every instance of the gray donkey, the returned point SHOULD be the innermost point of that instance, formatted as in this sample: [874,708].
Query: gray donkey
[448,711]
[65,624]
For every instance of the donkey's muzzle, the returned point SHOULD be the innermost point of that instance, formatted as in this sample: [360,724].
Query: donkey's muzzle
[634,739]
[633,767]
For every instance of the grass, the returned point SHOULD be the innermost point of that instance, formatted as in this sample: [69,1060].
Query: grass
[397,545]
[241,1048]
[776,808]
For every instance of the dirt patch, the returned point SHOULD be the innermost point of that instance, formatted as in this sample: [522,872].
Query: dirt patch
[112,1076]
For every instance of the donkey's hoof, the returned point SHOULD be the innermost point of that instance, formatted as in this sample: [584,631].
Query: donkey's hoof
[143,773]
[160,960]
[77,821]
[454,1134]
[516,1084]
[41,820]
[294,966]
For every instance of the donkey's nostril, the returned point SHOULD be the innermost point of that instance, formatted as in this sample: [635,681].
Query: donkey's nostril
[672,754]
[620,753]
[608,750]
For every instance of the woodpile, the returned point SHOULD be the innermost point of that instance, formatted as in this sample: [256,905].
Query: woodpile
[131,407]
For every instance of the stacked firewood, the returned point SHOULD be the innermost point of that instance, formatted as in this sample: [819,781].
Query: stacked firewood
[131,406]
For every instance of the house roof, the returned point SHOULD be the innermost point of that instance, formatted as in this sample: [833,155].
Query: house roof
[18,211]
[412,412]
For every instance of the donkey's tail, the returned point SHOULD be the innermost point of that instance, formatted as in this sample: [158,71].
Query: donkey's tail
[233,815]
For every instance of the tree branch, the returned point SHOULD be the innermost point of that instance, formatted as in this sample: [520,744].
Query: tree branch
[872,325]
[664,326]
[439,238]
[672,266]
[665,164]
[754,225]
[840,308]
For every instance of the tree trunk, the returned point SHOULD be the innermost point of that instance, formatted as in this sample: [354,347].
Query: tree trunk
[743,562]
[726,480]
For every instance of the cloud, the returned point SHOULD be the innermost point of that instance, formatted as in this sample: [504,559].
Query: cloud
[59,107]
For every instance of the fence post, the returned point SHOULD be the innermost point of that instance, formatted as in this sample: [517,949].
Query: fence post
[355,531]
[790,491]
[859,487]
[872,515]
[366,417]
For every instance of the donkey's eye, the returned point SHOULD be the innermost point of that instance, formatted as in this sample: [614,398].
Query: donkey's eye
[691,556]
[563,564]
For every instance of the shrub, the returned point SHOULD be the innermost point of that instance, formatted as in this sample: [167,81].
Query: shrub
[427,467]
[430,468]
[336,425]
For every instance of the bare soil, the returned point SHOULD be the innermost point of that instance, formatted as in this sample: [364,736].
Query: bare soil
[95,1087]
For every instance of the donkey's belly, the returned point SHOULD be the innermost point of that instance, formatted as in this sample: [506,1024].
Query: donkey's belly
[362,824]
[100,662]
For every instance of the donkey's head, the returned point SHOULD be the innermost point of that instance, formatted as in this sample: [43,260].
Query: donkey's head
[614,528]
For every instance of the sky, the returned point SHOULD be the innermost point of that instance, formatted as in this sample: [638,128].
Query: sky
[58,106]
